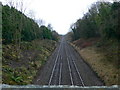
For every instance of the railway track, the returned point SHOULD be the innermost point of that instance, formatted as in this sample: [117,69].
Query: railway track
[76,78]
[65,67]
[55,77]
[80,79]
[74,74]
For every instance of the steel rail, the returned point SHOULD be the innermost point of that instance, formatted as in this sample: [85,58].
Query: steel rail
[71,78]
[79,75]
[51,76]
[60,73]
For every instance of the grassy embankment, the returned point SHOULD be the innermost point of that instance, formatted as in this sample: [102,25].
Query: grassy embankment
[102,57]
[21,69]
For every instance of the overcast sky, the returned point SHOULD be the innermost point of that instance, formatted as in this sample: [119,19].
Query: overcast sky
[59,13]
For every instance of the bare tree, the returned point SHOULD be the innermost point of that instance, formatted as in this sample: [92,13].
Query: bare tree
[17,4]
[31,14]
[40,22]
[50,27]
[10,3]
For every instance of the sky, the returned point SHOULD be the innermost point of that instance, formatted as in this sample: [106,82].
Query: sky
[59,13]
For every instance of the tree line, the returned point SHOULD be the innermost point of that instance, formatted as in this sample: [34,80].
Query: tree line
[101,20]
[17,27]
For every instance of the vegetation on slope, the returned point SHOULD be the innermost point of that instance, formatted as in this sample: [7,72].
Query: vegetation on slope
[26,46]
[97,35]
[22,70]
[103,59]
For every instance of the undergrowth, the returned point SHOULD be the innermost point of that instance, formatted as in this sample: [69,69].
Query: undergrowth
[20,65]
[103,57]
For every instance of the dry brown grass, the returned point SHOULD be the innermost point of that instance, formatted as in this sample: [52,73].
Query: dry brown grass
[105,70]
